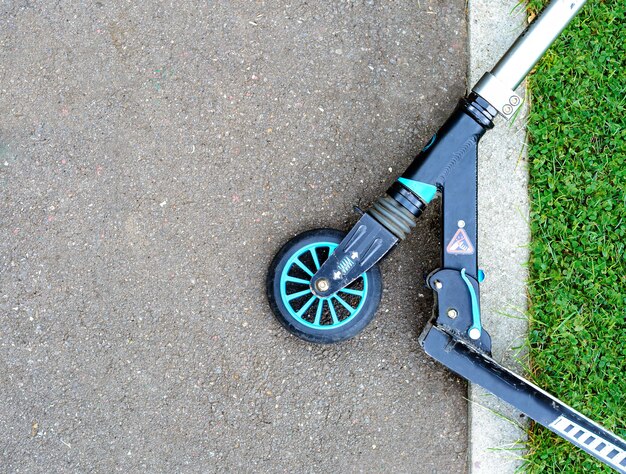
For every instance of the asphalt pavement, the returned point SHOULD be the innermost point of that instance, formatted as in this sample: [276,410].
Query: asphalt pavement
[154,156]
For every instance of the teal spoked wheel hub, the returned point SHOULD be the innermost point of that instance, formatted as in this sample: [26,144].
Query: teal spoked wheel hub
[311,310]
[312,318]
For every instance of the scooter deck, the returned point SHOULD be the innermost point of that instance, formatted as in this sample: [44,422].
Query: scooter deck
[537,404]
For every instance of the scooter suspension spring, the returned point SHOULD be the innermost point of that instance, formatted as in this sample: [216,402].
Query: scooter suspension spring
[393,216]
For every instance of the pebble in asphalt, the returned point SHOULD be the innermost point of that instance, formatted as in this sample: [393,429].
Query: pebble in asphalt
[153,158]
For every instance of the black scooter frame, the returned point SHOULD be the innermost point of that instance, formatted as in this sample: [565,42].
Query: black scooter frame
[447,338]
[449,163]
[455,336]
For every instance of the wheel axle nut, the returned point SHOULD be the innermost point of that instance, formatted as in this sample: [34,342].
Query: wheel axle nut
[452,313]
[322,284]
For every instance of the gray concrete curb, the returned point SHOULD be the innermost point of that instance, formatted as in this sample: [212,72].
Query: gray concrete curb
[497,431]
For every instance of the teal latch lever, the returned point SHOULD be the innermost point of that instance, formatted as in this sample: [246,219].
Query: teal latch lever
[475,329]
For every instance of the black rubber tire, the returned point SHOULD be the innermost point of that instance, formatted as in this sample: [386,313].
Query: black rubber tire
[320,336]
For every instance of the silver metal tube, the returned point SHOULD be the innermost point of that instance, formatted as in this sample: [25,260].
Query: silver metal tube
[534,41]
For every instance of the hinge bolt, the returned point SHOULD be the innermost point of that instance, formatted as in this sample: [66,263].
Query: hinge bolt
[322,284]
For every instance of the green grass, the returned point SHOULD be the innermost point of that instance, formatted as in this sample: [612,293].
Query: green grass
[577,288]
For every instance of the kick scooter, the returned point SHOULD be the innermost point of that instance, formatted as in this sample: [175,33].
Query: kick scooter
[324,286]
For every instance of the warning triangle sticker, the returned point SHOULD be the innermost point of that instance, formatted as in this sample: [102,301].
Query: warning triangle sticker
[460,244]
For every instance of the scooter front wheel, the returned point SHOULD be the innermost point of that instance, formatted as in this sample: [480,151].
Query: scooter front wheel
[307,316]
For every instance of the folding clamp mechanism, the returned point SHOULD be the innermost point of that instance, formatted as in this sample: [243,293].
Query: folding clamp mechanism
[458,307]
[475,329]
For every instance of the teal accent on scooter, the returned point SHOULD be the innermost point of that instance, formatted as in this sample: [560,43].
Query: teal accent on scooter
[430,143]
[481,276]
[333,302]
[475,308]
[426,192]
